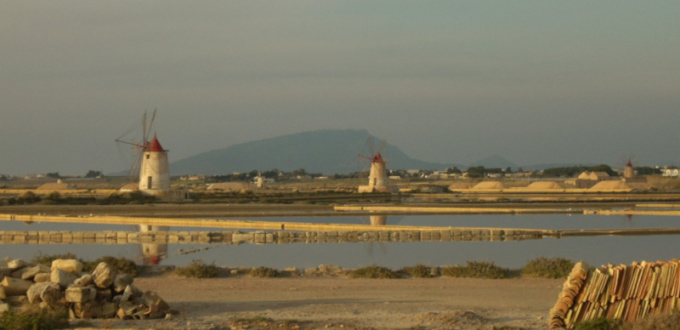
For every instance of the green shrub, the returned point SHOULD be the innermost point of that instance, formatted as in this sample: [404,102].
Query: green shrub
[264,272]
[34,318]
[548,268]
[477,270]
[421,271]
[54,196]
[27,197]
[198,269]
[373,272]
[133,197]
[454,271]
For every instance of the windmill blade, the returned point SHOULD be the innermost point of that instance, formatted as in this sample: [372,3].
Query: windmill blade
[128,142]
[153,117]
[629,157]
[361,156]
[126,137]
[383,143]
[144,137]
[135,167]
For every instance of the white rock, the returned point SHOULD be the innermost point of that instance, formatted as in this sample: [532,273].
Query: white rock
[72,266]
[63,278]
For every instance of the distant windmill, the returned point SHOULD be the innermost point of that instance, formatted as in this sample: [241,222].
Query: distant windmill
[377,176]
[628,170]
[151,161]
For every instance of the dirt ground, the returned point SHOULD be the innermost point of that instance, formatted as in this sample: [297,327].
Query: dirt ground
[343,303]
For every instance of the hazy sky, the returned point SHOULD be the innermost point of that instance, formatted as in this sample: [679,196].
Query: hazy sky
[446,81]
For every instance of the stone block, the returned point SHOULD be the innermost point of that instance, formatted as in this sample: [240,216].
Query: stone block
[3,307]
[42,277]
[20,239]
[128,308]
[55,238]
[109,309]
[63,278]
[87,310]
[67,236]
[52,296]
[28,273]
[157,306]
[83,281]
[17,273]
[103,275]
[72,266]
[121,282]
[43,238]
[104,295]
[36,291]
[15,286]
[76,294]
[15,264]
[32,237]
[5,271]
[130,293]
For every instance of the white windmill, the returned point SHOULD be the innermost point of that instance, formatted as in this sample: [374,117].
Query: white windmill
[377,176]
[152,162]
[628,170]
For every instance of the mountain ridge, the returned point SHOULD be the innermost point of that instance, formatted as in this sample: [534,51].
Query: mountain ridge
[329,151]
[322,151]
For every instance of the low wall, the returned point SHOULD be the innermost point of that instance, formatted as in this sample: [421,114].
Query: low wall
[260,237]
[451,210]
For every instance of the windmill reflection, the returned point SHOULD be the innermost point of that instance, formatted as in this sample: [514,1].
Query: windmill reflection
[378,220]
[153,253]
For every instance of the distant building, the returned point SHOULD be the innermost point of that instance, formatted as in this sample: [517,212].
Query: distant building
[588,179]
[674,172]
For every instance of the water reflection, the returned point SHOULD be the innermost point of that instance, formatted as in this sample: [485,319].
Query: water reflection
[378,220]
[595,250]
[153,253]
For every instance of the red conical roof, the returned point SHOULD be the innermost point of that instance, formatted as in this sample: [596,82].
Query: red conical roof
[154,145]
[377,158]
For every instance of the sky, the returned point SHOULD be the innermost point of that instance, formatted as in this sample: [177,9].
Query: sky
[536,82]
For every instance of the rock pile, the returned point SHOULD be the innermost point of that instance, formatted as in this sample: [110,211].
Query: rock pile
[100,294]
[627,293]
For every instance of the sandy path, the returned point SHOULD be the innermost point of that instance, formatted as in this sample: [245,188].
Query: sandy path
[437,303]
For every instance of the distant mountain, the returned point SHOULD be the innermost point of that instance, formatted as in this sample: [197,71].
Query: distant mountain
[325,151]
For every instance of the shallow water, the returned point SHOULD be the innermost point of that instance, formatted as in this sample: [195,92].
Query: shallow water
[514,254]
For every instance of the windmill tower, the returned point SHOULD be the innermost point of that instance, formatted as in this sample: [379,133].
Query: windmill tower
[377,176]
[153,165]
[628,171]
[154,174]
